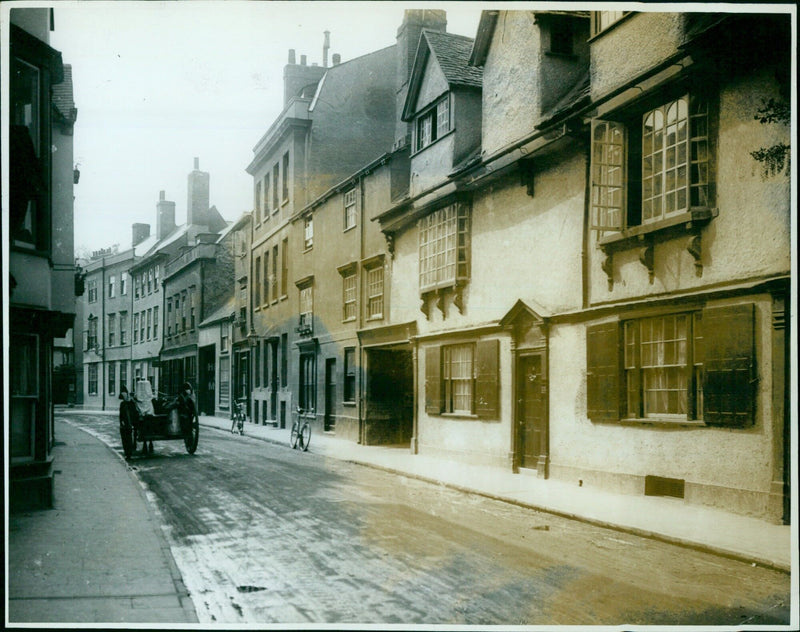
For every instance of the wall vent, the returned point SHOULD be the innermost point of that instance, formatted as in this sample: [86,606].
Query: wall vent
[660,486]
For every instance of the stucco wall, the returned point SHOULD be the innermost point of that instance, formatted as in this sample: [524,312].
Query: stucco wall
[638,43]
[727,467]
[510,83]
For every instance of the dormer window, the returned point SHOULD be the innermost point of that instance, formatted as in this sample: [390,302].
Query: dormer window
[433,123]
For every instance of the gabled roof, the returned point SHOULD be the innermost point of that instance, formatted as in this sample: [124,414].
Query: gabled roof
[451,53]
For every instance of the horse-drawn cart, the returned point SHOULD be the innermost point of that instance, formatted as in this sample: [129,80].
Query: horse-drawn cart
[144,418]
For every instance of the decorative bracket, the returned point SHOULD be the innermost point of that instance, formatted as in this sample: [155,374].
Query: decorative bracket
[424,307]
[608,267]
[440,303]
[695,248]
[647,259]
[389,243]
[458,299]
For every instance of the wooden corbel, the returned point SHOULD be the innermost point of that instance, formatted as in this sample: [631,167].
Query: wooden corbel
[695,248]
[424,307]
[440,303]
[647,259]
[458,299]
[608,267]
[389,243]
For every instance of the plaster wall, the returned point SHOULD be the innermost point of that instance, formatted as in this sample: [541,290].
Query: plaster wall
[638,43]
[467,123]
[511,104]
[468,439]
[731,468]
[751,236]
[431,165]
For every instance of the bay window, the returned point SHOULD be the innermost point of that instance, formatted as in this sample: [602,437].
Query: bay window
[444,247]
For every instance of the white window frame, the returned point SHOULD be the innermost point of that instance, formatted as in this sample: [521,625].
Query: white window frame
[349,295]
[444,239]
[307,305]
[350,216]
[308,232]
[458,378]
[375,292]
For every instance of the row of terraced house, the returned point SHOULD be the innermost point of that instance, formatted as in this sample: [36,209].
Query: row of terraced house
[561,247]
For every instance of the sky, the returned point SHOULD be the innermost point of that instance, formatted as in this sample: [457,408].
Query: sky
[157,84]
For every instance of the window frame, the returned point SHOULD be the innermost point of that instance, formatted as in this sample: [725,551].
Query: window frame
[308,232]
[92,368]
[24,388]
[434,230]
[375,291]
[349,293]
[433,123]
[349,199]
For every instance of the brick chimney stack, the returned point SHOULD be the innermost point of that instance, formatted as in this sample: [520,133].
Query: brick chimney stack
[299,78]
[197,204]
[140,232]
[326,45]
[165,216]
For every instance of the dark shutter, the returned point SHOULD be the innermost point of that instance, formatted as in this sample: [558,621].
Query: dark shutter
[602,372]
[729,370]
[433,380]
[487,379]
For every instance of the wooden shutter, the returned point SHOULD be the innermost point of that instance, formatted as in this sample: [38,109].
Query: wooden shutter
[487,379]
[603,372]
[433,380]
[609,177]
[729,371]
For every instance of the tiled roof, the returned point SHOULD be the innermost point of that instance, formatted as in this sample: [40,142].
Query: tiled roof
[452,52]
[63,98]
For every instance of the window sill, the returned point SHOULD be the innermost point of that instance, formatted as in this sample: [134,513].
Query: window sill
[663,422]
[661,230]
[349,228]
[349,404]
[458,416]
[372,318]
[349,320]
[308,249]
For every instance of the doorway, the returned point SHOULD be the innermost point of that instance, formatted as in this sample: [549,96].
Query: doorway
[330,394]
[207,383]
[532,440]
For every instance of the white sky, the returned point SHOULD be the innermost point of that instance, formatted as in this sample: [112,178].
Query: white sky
[158,83]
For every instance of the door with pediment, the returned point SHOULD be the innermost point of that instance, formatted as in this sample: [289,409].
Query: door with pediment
[532,441]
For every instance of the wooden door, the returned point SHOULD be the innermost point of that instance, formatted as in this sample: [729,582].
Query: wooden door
[532,412]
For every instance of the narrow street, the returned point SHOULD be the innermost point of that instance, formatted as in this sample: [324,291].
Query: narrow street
[265,534]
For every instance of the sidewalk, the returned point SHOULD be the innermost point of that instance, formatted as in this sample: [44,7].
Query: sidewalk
[666,519]
[98,556]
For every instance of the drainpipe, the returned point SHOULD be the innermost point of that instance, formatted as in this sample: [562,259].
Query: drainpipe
[103,336]
[586,219]
[360,218]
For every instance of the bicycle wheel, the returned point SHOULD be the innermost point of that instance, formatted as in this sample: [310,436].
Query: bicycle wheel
[305,436]
[295,435]
[241,424]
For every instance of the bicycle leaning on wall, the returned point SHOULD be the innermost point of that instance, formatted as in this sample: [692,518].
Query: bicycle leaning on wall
[301,431]
[238,416]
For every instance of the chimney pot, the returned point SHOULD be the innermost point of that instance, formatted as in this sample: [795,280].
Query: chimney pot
[292,56]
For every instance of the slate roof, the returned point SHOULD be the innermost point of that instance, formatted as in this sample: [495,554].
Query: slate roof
[63,99]
[452,52]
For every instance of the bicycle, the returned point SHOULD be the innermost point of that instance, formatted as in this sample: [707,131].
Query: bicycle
[238,416]
[301,431]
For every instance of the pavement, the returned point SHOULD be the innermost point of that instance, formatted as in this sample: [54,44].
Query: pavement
[100,556]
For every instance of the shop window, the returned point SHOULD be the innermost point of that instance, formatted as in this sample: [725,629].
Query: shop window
[23,362]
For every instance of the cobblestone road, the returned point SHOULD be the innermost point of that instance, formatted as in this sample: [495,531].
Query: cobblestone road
[265,534]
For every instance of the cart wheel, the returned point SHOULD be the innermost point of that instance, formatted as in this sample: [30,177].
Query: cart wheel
[191,438]
[127,432]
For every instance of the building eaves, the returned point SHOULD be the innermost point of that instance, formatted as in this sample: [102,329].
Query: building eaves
[63,97]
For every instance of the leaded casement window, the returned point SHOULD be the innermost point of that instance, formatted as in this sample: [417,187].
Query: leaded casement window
[691,366]
[463,379]
[601,20]
[123,328]
[308,382]
[349,390]
[444,247]
[91,378]
[306,306]
[308,232]
[349,294]
[257,284]
[375,292]
[350,209]
[23,362]
[433,123]
[91,334]
[112,326]
[652,165]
